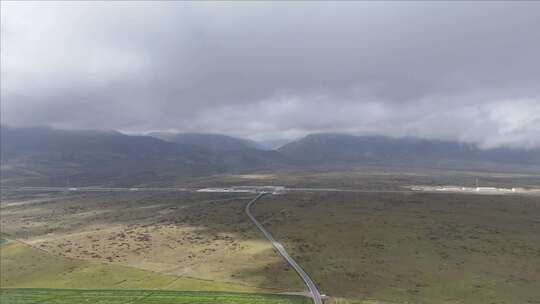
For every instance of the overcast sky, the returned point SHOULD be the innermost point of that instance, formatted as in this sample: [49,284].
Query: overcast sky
[459,71]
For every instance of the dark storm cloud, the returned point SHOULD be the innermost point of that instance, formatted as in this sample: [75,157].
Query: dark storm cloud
[465,71]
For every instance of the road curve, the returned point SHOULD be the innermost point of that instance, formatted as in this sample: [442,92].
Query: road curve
[315,294]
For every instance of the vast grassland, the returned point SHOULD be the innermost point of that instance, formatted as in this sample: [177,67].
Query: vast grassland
[202,236]
[25,267]
[359,248]
[370,178]
[413,248]
[63,296]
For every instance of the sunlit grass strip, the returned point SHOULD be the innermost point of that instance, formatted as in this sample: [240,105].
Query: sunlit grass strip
[75,296]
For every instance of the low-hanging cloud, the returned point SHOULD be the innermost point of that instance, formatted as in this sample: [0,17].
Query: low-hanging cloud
[458,71]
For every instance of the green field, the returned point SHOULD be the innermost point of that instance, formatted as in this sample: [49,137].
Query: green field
[25,267]
[66,296]
[29,275]
[412,247]
[171,235]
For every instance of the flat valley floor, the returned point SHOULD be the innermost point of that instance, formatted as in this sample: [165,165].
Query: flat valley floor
[358,247]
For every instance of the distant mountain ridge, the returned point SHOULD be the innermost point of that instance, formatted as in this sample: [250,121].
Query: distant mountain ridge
[208,141]
[29,142]
[101,155]
[381,150]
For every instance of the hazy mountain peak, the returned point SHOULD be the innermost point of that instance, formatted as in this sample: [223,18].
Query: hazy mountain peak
[382,150]
[207,140]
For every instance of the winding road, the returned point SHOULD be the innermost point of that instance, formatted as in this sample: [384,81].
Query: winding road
[315,294]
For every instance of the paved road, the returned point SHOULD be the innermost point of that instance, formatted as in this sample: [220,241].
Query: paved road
[431,191]
[232,190]
[316,295]
[96,189]
[346,190]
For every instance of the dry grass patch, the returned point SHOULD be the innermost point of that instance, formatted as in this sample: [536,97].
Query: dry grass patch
[194,235]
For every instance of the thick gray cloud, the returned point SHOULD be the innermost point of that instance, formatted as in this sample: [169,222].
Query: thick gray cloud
[461,71]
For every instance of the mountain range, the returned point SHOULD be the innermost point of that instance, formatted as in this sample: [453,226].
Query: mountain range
[217,142]
[409,151]
[94,155]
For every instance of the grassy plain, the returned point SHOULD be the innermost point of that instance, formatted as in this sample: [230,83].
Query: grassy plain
[63,296]
[369,178]
[359,248]
[202,236]
[413,248]
[25,267]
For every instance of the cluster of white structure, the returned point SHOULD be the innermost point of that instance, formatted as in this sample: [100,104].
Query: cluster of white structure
[469,189]
[247,189]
